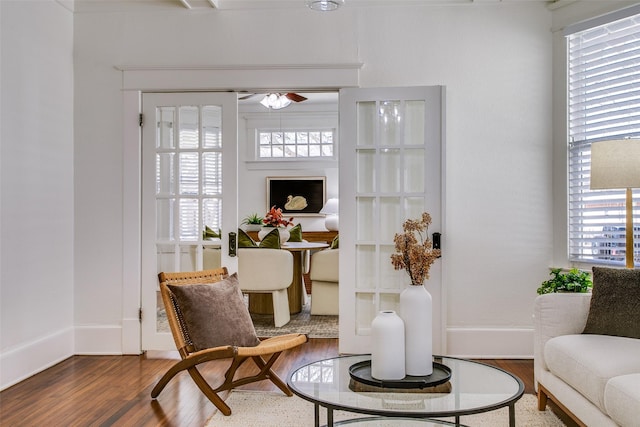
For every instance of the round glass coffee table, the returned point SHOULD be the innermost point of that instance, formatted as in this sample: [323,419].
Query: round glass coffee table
[475,388]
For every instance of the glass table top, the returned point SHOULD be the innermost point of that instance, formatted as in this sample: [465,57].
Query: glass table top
[475,387]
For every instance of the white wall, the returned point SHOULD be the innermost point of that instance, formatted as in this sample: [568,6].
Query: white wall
[494,59]
[36,289]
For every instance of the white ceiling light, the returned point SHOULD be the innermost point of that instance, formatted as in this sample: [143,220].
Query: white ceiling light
[275,101]
[324,5]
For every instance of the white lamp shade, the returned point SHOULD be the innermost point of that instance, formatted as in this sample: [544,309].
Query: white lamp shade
[330,209]
[615,164]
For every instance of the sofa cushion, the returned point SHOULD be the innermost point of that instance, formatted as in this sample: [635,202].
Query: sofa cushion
[615,304]
[215,314]
[622,399]
[588,362]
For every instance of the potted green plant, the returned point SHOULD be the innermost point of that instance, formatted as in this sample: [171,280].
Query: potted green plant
[253,222]
[573,281]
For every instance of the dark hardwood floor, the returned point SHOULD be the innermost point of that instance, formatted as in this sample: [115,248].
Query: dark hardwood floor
[115,390]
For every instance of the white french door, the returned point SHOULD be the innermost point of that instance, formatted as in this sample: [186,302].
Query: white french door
[189,186]
[390,169]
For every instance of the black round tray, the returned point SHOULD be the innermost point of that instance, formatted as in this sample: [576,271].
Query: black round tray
[361,372]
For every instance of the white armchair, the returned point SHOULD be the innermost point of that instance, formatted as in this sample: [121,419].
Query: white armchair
[324,282]
[267,271]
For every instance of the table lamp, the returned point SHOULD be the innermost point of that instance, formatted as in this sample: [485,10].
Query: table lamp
[616,164]
[330,209]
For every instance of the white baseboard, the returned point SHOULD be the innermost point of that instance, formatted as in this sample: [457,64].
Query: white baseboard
[490,343]
[27,360]
[98,340]
[131,330]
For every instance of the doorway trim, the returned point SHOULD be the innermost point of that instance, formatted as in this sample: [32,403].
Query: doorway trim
[143,78]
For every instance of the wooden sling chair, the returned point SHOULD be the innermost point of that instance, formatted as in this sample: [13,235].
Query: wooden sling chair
[191,357]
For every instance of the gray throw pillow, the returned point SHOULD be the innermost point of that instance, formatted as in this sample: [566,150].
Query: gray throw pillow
[215,314]
[615,303]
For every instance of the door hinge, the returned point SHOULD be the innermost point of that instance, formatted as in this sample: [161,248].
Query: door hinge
[140,314]
[141,119]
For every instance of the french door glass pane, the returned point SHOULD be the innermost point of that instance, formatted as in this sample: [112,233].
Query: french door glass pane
[212,213]
[413,207]
[389,170]
[212,173]
[189,219]
[211,132]
[365,311]
[166,118]
[188,180]
[414,170]
[164,219]
[389,301]
[365,164]
[388,276]
[365,207]
[365,266]
[414,112]
[165,176]
[390,122]
[391,215]
[189,127]
[366,119]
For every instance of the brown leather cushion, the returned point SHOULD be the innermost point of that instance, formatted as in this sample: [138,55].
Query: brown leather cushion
[615,303]
[215,314]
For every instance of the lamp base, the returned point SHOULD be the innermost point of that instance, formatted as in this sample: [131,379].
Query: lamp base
[331,222]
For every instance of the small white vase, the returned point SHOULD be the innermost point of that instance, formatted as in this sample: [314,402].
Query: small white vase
[387,346]
[284,233]
[416,312]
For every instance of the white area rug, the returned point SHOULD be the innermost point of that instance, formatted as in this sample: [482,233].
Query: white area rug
[270,409]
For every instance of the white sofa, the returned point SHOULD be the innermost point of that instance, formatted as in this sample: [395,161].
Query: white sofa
[595,379]
[324,282]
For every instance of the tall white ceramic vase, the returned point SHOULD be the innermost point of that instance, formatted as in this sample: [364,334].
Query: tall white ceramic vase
[387,346]
[416,311]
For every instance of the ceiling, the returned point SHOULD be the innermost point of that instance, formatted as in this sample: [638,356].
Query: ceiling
[93,5]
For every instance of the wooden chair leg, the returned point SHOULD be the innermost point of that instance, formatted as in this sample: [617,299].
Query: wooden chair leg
[209,392]
[267,372]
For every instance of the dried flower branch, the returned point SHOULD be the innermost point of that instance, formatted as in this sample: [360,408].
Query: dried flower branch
[415,253]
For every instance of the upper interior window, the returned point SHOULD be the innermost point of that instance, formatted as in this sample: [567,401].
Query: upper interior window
[296,144]
[603,102]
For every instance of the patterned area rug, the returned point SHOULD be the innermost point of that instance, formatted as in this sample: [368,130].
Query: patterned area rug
[270,409]
[303,322]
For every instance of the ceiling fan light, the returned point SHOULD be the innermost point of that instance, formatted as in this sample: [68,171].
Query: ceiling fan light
[275,101]
[324,5]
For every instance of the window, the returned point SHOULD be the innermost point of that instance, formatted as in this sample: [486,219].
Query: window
[604,100]
[295,144]
[188,172]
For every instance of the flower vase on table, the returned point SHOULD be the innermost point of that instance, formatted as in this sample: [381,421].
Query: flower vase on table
[416,311]
[274,219]
[415,254]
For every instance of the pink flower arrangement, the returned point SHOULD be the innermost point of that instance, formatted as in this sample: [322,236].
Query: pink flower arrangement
[415,249]
[274,218]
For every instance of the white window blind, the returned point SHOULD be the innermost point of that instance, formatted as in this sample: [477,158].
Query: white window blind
[604,103]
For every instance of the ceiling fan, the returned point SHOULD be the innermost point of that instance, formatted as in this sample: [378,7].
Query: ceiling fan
[276,100]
